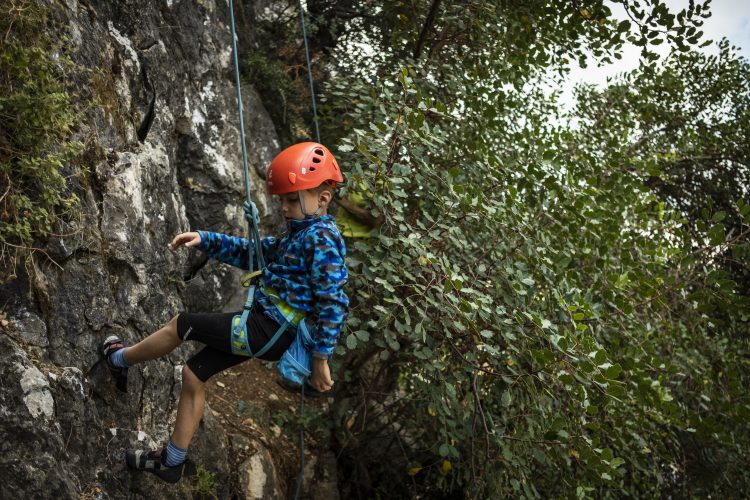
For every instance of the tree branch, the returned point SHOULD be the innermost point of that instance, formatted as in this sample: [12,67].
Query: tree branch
[428,23]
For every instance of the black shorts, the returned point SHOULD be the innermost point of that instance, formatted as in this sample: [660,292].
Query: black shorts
[215,330]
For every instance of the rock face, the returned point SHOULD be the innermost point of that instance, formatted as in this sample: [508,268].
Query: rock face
[165,123]
[259,478]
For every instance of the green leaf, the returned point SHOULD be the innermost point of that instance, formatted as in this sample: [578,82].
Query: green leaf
[616,391]
[716,234]
[362,335]
[505,398]
[351,341]
[600,356]
[613,371]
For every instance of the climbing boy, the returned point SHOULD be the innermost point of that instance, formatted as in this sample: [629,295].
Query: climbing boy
[303,280]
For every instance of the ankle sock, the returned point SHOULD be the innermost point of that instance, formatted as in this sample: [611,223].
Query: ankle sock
[175,455]
[117,358]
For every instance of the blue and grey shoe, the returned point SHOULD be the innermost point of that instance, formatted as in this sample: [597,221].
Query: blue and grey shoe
[154,461]
[111,345]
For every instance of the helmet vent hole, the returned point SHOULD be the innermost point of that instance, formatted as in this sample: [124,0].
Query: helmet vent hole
[312,169]
[316,160]
[318,152]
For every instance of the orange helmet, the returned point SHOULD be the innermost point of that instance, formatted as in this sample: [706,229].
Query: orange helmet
[303,166]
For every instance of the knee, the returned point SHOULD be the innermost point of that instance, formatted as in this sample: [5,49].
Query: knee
[190,380]
[172,327]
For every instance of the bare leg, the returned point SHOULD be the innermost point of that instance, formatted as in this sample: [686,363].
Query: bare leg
[156,345]
[189,409]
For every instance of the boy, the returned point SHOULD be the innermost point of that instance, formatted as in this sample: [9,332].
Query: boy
[304,276]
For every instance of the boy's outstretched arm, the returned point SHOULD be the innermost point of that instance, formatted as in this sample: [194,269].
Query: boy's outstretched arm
[232,250]
[189,239]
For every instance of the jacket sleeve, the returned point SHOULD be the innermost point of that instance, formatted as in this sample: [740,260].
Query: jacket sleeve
[233,250]
[328,277]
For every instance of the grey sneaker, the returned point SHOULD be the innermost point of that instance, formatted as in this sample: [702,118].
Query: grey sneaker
[111,345]
[153,461]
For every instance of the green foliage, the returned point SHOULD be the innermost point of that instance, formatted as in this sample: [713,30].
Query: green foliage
[278,71]
[203,485]
[534,311]
[313,420]
[284,92]
[37,116]
[683,134]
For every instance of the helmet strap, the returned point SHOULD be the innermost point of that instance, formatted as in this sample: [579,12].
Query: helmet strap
[304,212]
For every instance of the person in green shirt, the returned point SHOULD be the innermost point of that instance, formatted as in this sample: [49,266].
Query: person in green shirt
[355,220]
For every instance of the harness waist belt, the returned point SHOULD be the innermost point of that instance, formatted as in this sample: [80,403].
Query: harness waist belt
[292,314]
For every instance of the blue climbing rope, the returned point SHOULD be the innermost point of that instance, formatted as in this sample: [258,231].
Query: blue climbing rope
[254,249]
[309,71]
[301,478]
[251,211]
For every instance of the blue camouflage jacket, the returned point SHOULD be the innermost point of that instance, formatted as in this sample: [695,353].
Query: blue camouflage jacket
[305,267]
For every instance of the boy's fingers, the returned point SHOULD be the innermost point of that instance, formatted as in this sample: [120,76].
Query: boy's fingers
[321,385]
[174,244]
[187,239]
[325,385]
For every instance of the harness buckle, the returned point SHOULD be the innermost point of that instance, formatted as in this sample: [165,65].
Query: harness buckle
[248,278]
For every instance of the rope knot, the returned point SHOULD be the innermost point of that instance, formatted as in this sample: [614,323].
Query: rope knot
[251,213]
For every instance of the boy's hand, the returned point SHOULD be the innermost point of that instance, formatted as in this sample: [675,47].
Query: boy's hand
[190,239]
[320,380]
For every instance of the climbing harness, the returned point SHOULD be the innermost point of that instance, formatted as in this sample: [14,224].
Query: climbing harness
[291,314]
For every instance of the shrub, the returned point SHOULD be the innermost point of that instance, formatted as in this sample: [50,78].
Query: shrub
[35,147]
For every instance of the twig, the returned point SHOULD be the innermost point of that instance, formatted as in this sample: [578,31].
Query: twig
[22,247]
[481,412]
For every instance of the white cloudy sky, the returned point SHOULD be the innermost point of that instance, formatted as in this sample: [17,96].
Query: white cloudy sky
[730,19]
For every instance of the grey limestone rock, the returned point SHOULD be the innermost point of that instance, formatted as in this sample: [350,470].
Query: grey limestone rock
[31,328]
[165,122]
[259,479]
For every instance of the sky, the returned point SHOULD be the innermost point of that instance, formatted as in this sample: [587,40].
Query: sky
[730,19]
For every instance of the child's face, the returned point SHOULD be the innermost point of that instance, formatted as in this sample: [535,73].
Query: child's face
[292,210]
